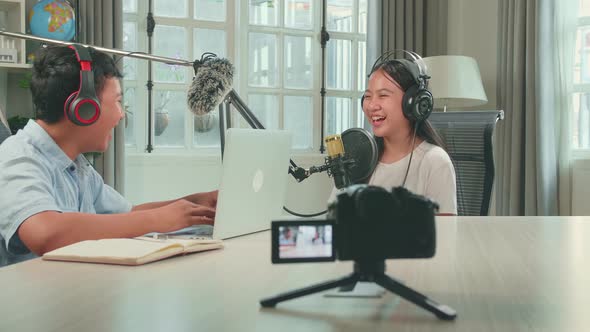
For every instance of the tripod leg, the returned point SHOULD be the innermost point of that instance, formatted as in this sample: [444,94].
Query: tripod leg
[272,301]
[440,310]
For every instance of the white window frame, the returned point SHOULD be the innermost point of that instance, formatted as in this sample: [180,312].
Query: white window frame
[188,23]
[281,92]
[237,25]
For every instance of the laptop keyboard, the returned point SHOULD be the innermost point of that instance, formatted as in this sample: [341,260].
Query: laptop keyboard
[192,232]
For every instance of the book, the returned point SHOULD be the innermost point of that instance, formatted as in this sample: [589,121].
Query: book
[134,251]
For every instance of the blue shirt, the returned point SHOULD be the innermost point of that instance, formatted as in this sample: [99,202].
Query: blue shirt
[36,176]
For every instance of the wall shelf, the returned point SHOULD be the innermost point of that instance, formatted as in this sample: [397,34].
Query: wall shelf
[16,67]
[12,18]
[13,99]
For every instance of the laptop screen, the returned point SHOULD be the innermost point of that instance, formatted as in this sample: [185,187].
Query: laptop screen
[253,181]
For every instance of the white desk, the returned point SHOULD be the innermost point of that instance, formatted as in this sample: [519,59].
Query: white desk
[500,274]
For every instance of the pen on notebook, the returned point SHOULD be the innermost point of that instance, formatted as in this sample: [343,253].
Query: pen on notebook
[159,236]
[149,239]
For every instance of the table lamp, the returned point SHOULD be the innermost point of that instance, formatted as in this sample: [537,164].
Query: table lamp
[455,81]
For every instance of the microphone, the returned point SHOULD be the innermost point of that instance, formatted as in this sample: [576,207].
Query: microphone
[352,158]
[212,82]
[339,163]
[360,145]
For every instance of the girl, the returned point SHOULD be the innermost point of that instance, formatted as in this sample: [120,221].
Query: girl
[410,150]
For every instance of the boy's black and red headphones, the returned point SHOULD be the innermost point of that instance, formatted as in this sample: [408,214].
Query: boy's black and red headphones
[82,106]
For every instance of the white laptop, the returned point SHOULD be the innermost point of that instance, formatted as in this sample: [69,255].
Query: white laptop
[253,184]
[253,181]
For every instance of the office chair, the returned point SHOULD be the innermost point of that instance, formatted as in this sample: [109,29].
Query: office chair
[4,132]
[468,139]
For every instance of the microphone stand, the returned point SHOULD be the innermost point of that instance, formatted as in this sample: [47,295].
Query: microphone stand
[234,99]
[151,25]
[138,55]
[325,37]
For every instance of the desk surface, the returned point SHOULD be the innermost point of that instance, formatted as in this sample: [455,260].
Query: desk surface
[500,274]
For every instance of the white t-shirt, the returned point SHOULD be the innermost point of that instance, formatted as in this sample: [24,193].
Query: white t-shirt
[431,175]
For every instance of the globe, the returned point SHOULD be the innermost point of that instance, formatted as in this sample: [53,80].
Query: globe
[53,19]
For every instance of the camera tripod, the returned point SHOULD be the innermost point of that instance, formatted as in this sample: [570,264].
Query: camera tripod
[373,272]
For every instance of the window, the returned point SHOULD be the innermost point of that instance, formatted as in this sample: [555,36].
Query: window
[581,97]
[277,55]
[184,30]
[346,59]
[284,64]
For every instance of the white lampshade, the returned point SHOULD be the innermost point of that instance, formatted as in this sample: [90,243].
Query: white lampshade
[455,81]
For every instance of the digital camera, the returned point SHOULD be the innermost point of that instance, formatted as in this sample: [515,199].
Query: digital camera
[365,223]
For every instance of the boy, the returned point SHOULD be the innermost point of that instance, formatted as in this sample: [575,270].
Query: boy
[50,196]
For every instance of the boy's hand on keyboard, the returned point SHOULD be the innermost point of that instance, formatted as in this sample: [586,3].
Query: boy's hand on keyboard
[205,198]
[181,214]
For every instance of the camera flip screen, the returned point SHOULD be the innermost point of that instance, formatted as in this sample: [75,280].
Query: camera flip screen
[302,241]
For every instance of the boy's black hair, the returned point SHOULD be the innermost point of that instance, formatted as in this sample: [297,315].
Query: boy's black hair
[56,75]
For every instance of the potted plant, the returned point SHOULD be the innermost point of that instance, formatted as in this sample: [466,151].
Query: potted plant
[205,122]
[25,82]
[128,115]
[161,117]
[17,122]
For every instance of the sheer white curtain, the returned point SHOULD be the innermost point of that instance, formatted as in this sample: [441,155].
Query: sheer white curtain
[556,38]
[565,31]
[535,71]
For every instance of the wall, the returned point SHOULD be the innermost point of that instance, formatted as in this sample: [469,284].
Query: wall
[155,178]
[580,184]
[473,31]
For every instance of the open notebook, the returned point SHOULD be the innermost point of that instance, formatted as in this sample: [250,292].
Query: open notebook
[135,251]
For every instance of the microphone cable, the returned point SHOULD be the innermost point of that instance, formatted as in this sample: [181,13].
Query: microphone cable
[296,214]
[204,58]
[145,53]
[411,154]
[304,215]
[128,54]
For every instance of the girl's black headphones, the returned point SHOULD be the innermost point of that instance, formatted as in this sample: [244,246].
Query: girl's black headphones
[82,106]
[417,102]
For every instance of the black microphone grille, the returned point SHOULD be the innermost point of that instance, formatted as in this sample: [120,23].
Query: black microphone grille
[360,145]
